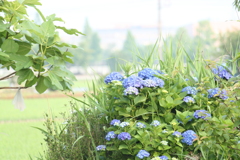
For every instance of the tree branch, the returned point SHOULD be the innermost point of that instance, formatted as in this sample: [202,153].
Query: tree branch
[13,87]
[8,76]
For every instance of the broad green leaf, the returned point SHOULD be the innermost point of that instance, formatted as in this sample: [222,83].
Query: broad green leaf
[24,74]
[70,31]
[69,60]
[24,47]
[41,87]
[54,18]
[3,26]
[169,99]
[68,54]
[125,114]
[140,112]
[10,46]
[51,60]
[21,61]
[123,146]
[18,7]
[55,80]
[48,29]
[139,99]
[4,54]
[31,2]
[30,83]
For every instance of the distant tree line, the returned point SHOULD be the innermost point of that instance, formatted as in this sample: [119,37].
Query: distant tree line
[205,41]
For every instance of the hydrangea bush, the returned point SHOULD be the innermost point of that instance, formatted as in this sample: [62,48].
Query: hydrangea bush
[171,117]
[171,111]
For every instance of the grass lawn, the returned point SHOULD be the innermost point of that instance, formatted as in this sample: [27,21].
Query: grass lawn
[18,140]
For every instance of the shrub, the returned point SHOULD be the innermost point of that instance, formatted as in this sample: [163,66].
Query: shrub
[175,110]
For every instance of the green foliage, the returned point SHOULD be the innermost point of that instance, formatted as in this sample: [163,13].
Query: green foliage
[45,67]
[236,4]
[217,136]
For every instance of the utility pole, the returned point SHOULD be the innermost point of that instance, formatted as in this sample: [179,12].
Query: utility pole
[159,18]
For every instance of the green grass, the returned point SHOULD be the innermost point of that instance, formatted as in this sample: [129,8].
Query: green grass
[19,140]
[35,108]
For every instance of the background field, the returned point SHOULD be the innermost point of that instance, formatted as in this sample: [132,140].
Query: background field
[18,139]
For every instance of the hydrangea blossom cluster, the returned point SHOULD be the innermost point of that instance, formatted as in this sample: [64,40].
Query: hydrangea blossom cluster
[133,81]
[203,114]
[149,79]
[113,76]
[160,158]
[216,92]
[142,153]
[177,134]
[222,72]
[131,90]
[190,90]
[101,148]
[155,123]
[110,135]
[188,99]
[188,137]
[124,135]
[124,124]
[115,122]
[159,82]
[140,125]
[149,83]
[148,73]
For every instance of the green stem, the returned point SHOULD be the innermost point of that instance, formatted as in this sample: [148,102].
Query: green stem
[7,35]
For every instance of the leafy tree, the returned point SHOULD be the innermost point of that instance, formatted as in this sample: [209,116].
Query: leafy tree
[236,4]
[45,66]
[90,49]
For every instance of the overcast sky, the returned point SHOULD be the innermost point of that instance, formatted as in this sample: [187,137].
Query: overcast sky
[104,14]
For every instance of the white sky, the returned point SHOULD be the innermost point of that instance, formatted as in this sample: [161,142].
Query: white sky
[105,14]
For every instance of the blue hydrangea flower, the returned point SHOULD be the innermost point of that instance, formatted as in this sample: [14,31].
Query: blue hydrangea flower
[163,157]
[148,73]
[110,135]
[124,124]
[132,81]
[190,90]
[216,92]
[124,135]
[222,72]
[101,148]
[188,99]
[155,123]
[177,134]
[113,76]
[115,122]
[140,125]
[203,114]
[160,158]
[149,83]
[131,90]
[188,137]
[159,82]
[142,153]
